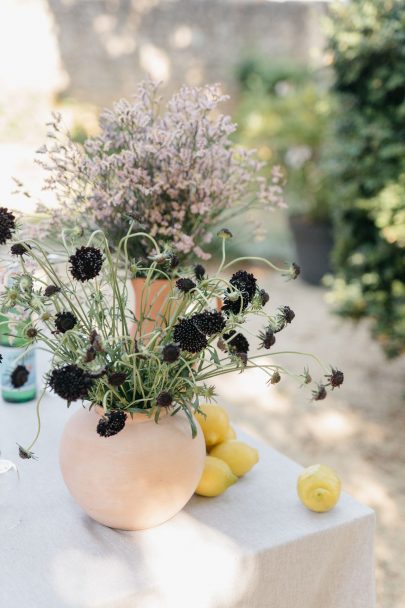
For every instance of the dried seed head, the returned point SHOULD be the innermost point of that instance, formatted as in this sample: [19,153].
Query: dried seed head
[319,393]
[275,378]
[335,378]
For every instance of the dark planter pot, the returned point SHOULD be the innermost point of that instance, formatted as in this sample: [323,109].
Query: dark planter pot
[314,242]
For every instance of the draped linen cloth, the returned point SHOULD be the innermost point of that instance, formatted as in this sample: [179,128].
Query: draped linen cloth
[256,546]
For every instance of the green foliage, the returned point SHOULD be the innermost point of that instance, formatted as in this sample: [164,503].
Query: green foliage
[367,40]
[285,112]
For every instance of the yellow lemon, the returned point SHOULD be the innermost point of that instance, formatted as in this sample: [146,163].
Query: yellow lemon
[216,477]
[230,434]
[319,488]
[240,456]
[214,424]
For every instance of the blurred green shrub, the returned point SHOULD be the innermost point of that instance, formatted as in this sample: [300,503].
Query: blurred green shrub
[285,112]
[367,167]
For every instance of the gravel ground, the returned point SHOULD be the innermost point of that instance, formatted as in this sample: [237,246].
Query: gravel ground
[358,430]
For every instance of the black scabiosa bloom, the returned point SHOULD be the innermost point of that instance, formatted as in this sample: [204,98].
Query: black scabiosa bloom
[236,342]
[117,378]
[264,297]
[335,378]
[19,376]
[65,321]
[86,263]
[51,290]
[173,261]
[199,272]
[7,225]
[70,382]
[267,338]
[246,283]
[287,313]
[19,249]
[112,423]
[25,454]
[164,399]
[319,393]
[284,316]
[210,322]
[185,285]
[188,336]
[170,353]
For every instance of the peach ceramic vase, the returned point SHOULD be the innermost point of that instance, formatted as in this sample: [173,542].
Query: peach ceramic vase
[136,479]
[153,302]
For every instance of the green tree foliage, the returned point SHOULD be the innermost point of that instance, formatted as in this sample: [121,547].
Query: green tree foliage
[367,41]
[285,112]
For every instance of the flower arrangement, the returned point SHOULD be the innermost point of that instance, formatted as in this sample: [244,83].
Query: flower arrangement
[171,171]
[100,352]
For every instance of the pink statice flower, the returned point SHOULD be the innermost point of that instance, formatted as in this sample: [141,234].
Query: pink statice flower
[171,169]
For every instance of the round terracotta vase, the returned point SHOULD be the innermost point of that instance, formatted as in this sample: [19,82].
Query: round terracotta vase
[154,301]
[136,479]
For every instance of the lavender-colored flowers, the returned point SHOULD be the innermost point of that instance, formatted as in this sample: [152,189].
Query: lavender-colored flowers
[172,169]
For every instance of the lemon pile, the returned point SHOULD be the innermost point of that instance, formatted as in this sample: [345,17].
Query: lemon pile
[227,458]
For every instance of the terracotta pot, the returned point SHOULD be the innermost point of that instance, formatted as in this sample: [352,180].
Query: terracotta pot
[136,479]
[153,301]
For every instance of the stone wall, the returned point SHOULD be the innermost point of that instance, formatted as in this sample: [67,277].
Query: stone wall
[107,46]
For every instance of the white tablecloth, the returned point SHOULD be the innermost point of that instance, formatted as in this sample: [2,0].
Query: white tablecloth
[255,546]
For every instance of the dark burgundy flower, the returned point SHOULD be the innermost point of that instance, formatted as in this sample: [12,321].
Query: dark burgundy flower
[246,284]
[188,336]
[64,321]
[284,316]
[210,322]
[319,393]
[267,338]
[264,297]
[25,454]
[295,270]
[7,225]
[236,342]
[185,285]
[199,272]
[164,399]
[51,290]
[335,378]
[170,353]
[112,423]
[19,376]
[173,261]
[86,263]
[19,249]
[117,378]
[70,382]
